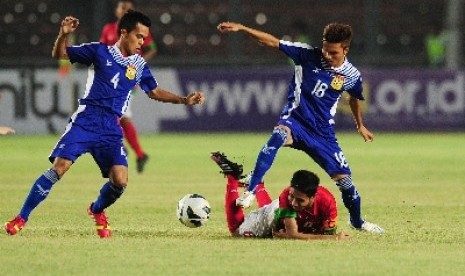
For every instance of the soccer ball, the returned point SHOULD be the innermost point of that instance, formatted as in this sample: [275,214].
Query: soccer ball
[193,210]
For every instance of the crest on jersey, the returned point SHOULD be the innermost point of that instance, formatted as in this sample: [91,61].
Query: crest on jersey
[131,72]
[337,82]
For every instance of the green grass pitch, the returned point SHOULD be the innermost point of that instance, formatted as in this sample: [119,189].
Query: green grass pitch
[413,185]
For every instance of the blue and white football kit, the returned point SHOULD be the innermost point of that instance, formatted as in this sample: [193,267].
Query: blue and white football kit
[312,101]
[94,127]
[313,96]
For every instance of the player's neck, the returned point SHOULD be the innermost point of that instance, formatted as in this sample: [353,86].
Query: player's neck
[340,65]
[123,52]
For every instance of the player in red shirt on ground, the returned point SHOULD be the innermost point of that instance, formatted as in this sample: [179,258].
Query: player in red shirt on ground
[110,36]
[304,210]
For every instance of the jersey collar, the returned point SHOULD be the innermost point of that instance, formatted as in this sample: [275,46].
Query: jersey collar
[331,69]
[119,58]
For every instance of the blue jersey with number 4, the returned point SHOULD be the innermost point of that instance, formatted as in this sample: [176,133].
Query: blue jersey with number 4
[111,76]
[316,88]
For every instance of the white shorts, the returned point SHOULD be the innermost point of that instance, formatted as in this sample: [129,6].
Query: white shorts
[259,223]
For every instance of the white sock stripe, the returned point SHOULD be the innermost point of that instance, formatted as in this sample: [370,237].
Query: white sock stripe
[51,175]
[345,183]
[282,133]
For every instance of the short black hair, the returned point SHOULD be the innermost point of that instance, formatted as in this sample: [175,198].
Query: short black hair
[338,33]
[127,1]
[306,182]
[130,20]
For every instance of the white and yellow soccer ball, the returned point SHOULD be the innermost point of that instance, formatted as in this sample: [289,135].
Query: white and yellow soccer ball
[193,210]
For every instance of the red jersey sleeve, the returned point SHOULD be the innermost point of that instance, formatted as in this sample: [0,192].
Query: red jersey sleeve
[327,211]
[284,198]
[109,34]
[148,40]
[103,35]
[149,43]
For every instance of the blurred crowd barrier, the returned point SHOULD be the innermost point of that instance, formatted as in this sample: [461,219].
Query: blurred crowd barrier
[387,34]
[41,101]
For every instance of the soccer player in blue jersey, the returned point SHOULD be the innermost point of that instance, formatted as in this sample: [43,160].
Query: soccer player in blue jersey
[306,122]
[94,127]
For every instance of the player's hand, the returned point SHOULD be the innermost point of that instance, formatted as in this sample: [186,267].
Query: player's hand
[195,98]
[229,27]
[69,25]
[6,130]
[342,236]
[366,134]
[279,234]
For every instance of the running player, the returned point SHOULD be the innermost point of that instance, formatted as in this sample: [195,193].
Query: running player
[306,123]
[94,128]
[110,36]
[304,210]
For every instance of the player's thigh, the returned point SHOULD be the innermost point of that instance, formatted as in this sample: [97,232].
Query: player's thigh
[327,154]
[258,223]
[250,226]
[72,145]
[110,155]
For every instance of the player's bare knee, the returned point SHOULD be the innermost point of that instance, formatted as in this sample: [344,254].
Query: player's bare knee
[119,182]
[119,176]
[61,166]
[337,177]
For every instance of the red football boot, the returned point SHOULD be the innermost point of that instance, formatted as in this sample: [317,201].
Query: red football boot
[15,225]
[103,227]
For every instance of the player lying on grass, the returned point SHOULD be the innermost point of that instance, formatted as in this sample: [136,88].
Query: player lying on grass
[305,210]
[6,130]
[94,127]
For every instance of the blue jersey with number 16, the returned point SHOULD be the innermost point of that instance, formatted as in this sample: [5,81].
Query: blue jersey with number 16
[111,76]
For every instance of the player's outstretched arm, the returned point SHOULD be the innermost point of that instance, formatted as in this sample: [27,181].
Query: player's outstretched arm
[162,95]
[291,231]
[356,112]
[6,130]
[281,234]
[262,37]
[68,25]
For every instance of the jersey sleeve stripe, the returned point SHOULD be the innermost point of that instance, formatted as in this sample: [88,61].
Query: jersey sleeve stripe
[296,44]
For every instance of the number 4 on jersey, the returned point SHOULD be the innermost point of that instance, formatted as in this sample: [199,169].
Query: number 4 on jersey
[115,80]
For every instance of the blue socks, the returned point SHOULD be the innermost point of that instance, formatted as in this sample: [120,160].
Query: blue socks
[39,191]
[351,200]
[108,195]
[41,188]
[266,156]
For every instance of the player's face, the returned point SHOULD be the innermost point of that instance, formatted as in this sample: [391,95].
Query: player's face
[131,43]
[299,200]
[334,53]
[122,8]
